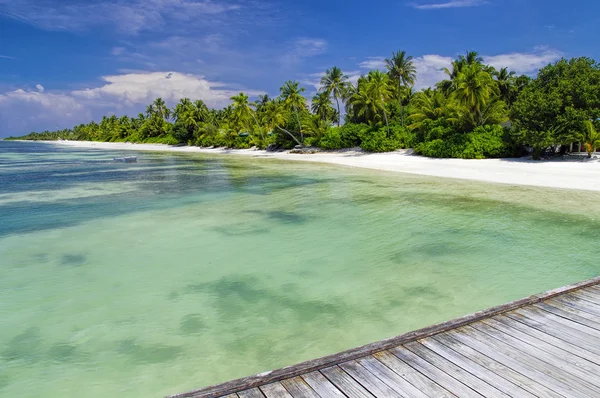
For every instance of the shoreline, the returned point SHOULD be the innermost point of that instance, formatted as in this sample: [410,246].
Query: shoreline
[519,171]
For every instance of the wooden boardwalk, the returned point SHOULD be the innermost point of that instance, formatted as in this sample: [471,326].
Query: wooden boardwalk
[547,345]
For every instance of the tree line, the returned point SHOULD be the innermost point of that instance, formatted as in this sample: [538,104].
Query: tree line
[477,111]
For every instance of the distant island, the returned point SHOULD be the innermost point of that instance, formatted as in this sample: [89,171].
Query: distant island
[477,112]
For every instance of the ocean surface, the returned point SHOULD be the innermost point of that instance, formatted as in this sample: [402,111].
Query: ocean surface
[180,271]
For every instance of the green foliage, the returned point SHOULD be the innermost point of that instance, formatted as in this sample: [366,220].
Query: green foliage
[332,139]
[554,107]
[489,141]
[351,134]
[166,139]
[460,117]
[378,140]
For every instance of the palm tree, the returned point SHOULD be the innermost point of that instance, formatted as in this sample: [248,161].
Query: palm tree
[321,106]
[273,116]
[474,88]
[291,94]
[471,58]
[505,81]
[360,104]
[262,100]
[335,83]
[590,138]
[160,108]
[431,104]
[243,112]
[378,91]
[401,68]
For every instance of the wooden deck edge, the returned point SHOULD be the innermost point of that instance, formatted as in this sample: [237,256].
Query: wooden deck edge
[245,383]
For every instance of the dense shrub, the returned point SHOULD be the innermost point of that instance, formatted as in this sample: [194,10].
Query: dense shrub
[351,133]
[332,139]
[484,142]
[379,140]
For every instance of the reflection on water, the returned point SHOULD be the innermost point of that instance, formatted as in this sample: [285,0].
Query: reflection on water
[182,271]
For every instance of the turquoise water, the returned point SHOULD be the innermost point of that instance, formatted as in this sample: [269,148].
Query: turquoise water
[180,271]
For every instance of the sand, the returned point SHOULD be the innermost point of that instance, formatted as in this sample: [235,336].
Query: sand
[582,175]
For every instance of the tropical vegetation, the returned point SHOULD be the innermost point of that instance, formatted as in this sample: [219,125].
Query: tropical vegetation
[477,111]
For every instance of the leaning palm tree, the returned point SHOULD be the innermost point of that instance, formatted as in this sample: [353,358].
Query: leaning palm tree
[590,138]
[291,94]
[401,69]
[335,83]
[274,116]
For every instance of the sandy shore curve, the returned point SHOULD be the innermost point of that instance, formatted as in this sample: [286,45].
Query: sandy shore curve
[581,175]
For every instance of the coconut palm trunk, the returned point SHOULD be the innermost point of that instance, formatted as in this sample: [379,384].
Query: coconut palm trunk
[299,126]
[400,101]
[260,130]
[387,124]
[338,108]
[290,134]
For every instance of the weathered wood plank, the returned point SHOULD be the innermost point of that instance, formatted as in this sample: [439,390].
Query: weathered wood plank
[584,320]
[548,317]
[592,298]
[572,310]
[309,366]
[413,376]
[573,370]
[231,396]
[527,383]
[531,367]
[344,382]
[390,377]
[591,293]
[455,371]
[251,393]
[574,302]
[515,328]
[321,385]
[368,380]
[475,369]
[559,331]
[434,373]
[298,388]
[595,289]
[275,390]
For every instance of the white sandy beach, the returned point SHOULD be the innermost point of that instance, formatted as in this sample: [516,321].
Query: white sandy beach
[553,174]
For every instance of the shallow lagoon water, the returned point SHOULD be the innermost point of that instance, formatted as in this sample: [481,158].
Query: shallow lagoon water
[181,271]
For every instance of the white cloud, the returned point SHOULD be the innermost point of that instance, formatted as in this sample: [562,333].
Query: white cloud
[430,69]
[303,47]
[524,63]
[6,57]
[373,63]
[450,4]
[131,17]
[22,111]
[116,51]
[143,87]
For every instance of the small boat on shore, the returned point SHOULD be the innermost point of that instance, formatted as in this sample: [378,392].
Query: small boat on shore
[127,159]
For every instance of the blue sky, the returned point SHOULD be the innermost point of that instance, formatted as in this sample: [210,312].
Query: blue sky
[64,62]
